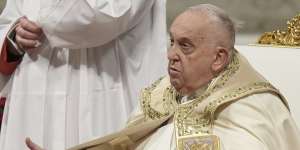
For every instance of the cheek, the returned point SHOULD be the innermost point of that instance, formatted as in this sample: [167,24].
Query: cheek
[188,69]
[194,69]
[189,75]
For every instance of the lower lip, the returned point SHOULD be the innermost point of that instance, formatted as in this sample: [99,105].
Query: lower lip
[173,72]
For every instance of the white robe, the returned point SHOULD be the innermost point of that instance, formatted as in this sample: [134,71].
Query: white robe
[85,83]
[257,122]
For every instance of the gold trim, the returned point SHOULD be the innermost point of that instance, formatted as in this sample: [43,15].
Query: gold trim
[238,93]
[145,99]
[290,37]
[169,95]
[199,142]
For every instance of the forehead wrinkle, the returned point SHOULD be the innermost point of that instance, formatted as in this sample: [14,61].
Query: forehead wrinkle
[185,33]
[178,29]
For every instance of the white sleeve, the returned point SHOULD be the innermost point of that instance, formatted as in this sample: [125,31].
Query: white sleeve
[10,14]
[260,122]
[89,23]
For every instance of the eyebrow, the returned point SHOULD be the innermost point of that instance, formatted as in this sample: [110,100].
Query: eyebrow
[185,39]
[171,35]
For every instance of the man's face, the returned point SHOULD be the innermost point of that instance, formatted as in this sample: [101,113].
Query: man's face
[191,53]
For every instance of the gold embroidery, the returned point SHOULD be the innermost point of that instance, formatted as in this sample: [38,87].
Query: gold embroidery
[199,142]
[145,99]
[169,95]
[240,92]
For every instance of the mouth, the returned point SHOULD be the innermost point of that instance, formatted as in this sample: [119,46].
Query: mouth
[173,71]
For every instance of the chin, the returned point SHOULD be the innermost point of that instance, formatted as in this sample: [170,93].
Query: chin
[177,85]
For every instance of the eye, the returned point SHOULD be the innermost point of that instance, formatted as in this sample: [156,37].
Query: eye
[186,47]
[171,42]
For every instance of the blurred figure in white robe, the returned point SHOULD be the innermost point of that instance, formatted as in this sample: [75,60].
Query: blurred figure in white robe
[72,69]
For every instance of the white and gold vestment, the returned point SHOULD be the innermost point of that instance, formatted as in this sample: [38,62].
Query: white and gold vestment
[239,109]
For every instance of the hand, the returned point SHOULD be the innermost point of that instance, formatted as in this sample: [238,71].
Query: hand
[28,34]
[31,145]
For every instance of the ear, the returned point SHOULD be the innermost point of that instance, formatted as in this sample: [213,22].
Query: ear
[221,59]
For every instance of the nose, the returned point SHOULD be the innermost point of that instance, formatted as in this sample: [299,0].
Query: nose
[172,55]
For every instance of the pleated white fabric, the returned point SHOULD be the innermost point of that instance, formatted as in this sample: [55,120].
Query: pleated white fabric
[84,80]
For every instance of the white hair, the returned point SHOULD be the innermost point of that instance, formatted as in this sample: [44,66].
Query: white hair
[222,16]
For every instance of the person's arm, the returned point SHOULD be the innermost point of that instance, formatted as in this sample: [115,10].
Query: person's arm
[9,16]
[256,122]
[89,23]
[20,38]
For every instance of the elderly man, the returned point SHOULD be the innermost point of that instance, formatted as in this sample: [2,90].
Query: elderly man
[212,99]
